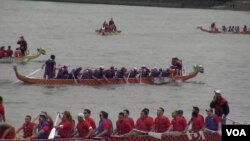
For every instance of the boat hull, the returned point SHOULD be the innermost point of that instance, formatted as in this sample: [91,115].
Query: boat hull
[221,32]
[91,82]
[104,33]
[197,137]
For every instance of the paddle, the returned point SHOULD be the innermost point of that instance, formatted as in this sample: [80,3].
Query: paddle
[128,76]
[74,77]
[152,134]
[53,131]
[32,73]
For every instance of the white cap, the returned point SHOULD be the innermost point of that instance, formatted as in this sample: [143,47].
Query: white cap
[81,115]
[217,91]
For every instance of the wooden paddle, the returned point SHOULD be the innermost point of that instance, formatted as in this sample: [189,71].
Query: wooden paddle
[53,131]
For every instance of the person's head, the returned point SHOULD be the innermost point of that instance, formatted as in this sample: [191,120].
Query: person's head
[67,116]
[126,112]
[209,111]
[9,47]
[86,113]
[194,114]
[217,94]
[144,113]
[112,68]
[179,112]
[1,99]
[174,114]
[27,119]
[160,111]
[195,108]
[80,117]
[52,57]
[101,67]
[103,115]
[21,37]
[42,117]
[121,116]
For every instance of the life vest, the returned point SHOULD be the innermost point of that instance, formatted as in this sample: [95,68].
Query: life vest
[211,124]
[18,53]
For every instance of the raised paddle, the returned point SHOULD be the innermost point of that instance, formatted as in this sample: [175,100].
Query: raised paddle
[74,78]
[53,131]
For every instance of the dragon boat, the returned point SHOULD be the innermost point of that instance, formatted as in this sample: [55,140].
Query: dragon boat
[107,33]
[146,80]
[220,31]
[206,136]
[23,59]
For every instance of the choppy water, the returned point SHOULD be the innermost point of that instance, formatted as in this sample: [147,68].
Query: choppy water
[150,36]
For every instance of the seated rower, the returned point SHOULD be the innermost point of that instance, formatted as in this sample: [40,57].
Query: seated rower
[144,71]
[2,52]
[87,74]
[63,73]
[98,73]
[121,73]
[133,73]
[75,73]
[154,72]
[18,53]
[109,73]
[237,29]
[164,73]
[245,28]
[224,28]
[9,52]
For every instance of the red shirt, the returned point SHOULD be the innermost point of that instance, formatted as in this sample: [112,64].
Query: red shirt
[123,126]
[179,124]
[9,52]
[1,54]
[144,124]
[28,129]
[184,122]
[66,131]
[91,122]
[83,129]
[161,124]
[198,123]
[2,112]
[50,124]
[18,53]
[201,117]
[10,135]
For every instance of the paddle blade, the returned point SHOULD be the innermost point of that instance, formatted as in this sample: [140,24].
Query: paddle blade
[155,135]
[52,133]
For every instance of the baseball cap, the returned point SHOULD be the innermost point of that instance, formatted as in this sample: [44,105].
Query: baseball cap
[217,91]
[80,115]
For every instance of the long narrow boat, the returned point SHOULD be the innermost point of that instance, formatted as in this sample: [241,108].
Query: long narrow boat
[220,31]
[146,80]
[24,59]
[105,33]
[185,137]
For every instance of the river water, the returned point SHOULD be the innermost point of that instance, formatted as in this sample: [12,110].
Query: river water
[150,36]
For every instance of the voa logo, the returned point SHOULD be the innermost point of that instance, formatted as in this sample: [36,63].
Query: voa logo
[236,132]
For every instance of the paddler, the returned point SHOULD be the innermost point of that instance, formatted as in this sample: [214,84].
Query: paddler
[23,45]
[42,130]
[27,127]
[144,71]
[83,127]
[65,127]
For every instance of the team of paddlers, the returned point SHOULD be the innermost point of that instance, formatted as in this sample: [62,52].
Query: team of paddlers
[232,29]
[111,72]
[125,126]
[108,27]
[19,52]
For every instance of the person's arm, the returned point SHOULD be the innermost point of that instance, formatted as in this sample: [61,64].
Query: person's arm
[90,132]
[170,128]
[8,128]
[18,130]
[3,116]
